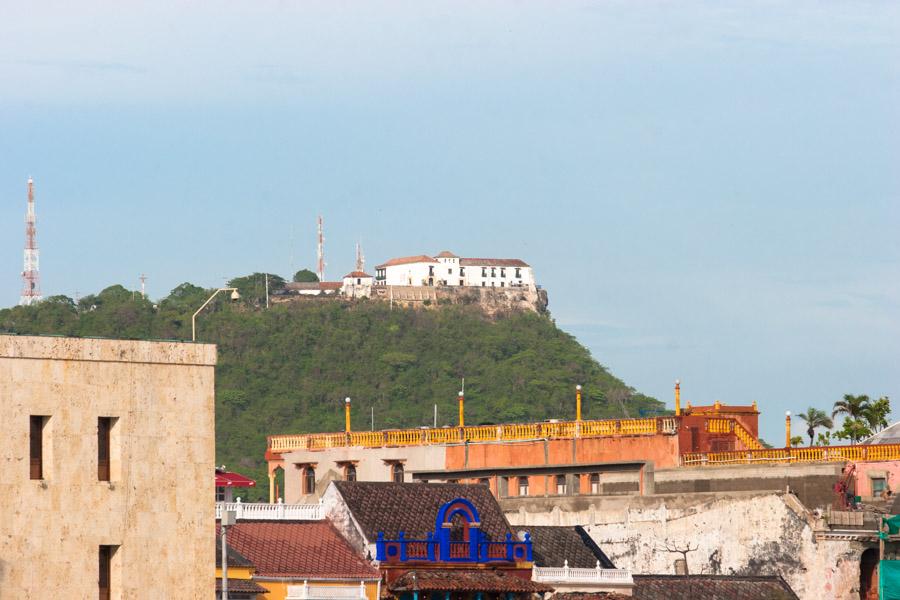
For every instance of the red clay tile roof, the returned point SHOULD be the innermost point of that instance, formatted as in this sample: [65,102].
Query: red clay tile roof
[711,587]
[357,274]
[235,558]
[466,581]
[412,507]
[446,254]
[298,549]
[241,586]
[492,262]
[330,285]
[405,260]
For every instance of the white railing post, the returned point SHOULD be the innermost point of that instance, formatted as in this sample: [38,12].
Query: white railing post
[239,509]
[362,589]
[566,568]
[305,590]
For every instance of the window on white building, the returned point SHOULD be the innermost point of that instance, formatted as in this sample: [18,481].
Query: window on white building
[493,272]
[502,272]
[518,273]
[484,271]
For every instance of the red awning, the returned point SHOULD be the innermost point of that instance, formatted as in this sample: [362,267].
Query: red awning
[226,479]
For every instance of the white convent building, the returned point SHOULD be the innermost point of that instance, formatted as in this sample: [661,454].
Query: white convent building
[447,269]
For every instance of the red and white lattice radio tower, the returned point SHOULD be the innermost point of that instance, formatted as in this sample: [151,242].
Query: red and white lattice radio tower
[31,279]
[320,254]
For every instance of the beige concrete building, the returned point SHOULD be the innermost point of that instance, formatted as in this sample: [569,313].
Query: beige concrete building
[106,459]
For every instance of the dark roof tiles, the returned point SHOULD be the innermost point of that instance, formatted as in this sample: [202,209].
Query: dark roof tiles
[553,545]
[711,587]
[413,507]
[459,580]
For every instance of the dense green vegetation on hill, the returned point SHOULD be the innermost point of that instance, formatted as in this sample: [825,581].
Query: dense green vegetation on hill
[287,369]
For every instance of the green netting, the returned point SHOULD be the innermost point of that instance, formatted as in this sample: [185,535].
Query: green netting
[889,579]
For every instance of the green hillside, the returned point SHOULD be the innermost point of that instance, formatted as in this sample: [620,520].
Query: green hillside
[287,369]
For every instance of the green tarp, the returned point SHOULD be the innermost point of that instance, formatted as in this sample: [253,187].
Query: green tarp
[893,524]
[889,579]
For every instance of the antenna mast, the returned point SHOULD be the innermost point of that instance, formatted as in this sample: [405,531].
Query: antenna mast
[360,259]
[320,265]
[31,279]
[143,279]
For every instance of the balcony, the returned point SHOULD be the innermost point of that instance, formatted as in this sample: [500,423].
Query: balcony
[326,592]
[583,578]
[265,511]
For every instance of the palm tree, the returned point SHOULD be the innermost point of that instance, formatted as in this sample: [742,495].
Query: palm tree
[815,418]
[852,406]
[876,414]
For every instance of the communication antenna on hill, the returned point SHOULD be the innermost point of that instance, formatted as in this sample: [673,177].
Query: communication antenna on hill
[143,279]
[360,259]
[320,254]
[31,279]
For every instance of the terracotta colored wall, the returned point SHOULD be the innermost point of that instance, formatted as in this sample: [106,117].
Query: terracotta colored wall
[661,449]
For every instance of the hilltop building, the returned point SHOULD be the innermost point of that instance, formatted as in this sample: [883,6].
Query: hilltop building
[448,269]
[105,461]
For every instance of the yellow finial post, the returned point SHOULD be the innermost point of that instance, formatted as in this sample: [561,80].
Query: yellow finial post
[718,405]
[677,398]
[347,415]
[578,403]
[462,410]
[755,409]
[787,429]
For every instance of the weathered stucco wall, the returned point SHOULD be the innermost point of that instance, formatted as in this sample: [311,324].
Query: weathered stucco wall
[372,464]
[812,483]
[733,533]
[158,507]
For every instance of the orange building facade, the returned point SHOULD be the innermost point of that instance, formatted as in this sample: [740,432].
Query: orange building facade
[567,457]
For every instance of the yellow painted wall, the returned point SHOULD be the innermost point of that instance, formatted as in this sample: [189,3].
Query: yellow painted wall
[236,572]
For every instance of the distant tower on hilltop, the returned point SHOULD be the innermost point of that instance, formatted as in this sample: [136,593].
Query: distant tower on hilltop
[320,254]
[31,279]
[360,259]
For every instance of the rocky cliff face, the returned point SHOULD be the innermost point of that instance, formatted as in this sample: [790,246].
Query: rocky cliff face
[493,301]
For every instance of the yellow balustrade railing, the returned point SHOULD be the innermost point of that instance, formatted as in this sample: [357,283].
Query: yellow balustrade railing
[877,452]
[637,426]
[720,425]
[480,433]
[746,437]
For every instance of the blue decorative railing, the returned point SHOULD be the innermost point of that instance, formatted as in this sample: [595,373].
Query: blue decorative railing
[441,549]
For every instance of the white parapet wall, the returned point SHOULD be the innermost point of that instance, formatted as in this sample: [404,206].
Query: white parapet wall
[266,511]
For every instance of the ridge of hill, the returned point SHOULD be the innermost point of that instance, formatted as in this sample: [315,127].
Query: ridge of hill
[287,369]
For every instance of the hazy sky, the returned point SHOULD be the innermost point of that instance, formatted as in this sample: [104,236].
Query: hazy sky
[708,190]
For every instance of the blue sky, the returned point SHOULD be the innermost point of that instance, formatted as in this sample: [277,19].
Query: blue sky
[709,190]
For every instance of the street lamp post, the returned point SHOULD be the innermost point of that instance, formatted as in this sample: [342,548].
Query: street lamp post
[228,519]
[234,296]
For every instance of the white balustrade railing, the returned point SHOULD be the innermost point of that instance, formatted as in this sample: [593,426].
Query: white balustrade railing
[566,574]
[326,592]
[279,511]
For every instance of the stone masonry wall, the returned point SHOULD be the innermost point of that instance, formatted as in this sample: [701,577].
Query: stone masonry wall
[158,507]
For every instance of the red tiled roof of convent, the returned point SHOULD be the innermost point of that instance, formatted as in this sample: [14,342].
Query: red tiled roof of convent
[357,274]
[311,549]
[406,260]
[492,262]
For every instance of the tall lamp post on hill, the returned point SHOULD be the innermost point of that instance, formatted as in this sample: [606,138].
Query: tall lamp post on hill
[234,296]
